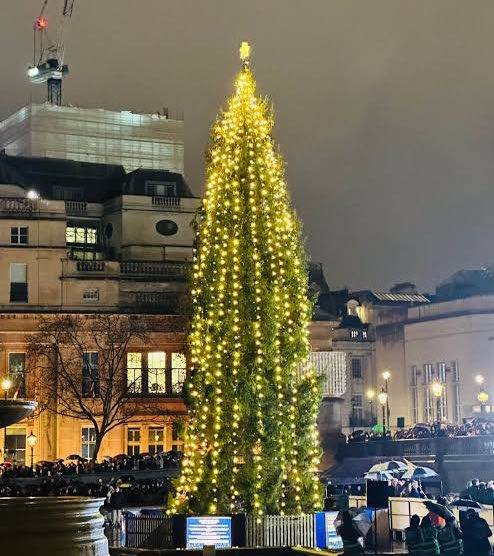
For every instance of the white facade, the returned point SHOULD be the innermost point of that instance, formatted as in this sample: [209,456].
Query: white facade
[150,141]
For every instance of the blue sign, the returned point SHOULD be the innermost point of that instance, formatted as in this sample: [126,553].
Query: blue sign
[326,536]
[210,530]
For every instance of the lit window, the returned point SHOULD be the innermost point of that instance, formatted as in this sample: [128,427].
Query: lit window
[17,373]
[18,282]
[353,333]
[81,235]
[133,441]
[134,373]
[157,372]
[156,440]
[88,442]
[364,334]
[179,372]
[90,374]
[19,236]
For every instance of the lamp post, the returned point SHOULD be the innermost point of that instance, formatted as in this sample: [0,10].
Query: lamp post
[386,376]
[483,398]
[370,394]
[6,386]
[382,398]
[437,392]
[31,440]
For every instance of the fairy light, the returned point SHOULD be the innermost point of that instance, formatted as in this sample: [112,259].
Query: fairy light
[248,409]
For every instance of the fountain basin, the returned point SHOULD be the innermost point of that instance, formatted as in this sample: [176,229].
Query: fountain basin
[52,526]
[13,411]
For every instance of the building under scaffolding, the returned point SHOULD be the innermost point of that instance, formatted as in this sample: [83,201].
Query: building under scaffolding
[150,141]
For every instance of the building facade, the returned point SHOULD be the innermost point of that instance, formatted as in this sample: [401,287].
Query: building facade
[84,238]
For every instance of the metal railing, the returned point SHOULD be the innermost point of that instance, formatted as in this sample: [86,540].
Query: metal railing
[75,207]
[158,268]
[90,266]
[168,202]
[148,531]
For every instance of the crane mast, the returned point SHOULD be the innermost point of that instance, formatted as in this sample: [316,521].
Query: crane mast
[48,56]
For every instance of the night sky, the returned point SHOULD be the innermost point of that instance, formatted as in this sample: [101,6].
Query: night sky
[384,111]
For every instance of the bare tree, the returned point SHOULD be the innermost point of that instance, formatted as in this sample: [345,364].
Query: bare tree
[71,381]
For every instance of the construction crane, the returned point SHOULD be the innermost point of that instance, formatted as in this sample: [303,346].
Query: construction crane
[48,54]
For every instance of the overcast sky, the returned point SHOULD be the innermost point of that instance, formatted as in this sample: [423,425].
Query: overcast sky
[384,111]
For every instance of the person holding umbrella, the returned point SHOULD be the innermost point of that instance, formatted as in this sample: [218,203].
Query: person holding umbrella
[349,534]
[450,538]
[476,534]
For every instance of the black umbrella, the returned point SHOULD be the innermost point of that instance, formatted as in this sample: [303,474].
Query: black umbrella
[463,503]
[439,509]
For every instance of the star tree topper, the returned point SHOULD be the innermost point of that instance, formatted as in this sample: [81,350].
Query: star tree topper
[245,53]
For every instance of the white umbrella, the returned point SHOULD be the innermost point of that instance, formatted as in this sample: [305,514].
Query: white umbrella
[419,473]
[379,476]
[391,465]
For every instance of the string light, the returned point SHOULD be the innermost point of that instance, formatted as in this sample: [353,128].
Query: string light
[251,443]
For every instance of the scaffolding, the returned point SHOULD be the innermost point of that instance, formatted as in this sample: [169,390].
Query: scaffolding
[151,141]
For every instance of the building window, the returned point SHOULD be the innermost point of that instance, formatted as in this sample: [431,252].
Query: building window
[161,189]
[134,373]
[353,333]
[177,443]
[179,372]
[428,373]
[157,372]
[88,442]
[80,235]
[90,374]
[156,440]
[15,445]
[67,193]
[91,295]
[441,372]
[17,373]
[356,368]
[133,441]
[18,282]
[19,236]
[364,334]
[356,418]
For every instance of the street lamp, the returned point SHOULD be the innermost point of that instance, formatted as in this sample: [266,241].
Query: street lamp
[6,386]
[386,374]
[31,440]
[479,379]
[382,398]
[483,398]
[437,392]
[370,394]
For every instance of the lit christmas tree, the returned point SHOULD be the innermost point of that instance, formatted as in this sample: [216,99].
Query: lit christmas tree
[251,442]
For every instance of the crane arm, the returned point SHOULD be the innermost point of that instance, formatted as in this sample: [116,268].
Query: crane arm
[68,8]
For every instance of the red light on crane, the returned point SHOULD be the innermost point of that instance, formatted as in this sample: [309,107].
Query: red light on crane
[41,23]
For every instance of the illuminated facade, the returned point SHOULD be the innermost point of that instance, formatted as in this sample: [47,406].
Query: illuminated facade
[83,238]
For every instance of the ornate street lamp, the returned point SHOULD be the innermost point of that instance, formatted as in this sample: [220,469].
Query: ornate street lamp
[382,398]
[6,386]
[437,392]
[370,394]
[32,439]
[483,398]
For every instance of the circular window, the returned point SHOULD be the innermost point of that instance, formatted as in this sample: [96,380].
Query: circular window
[108,230]
[166,227]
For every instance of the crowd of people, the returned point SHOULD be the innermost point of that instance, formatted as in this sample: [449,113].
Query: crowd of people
[475,427]
[81,466]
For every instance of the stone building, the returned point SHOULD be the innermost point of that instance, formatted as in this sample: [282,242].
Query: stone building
[81,238]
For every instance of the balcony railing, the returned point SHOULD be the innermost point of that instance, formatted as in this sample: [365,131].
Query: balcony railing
[164,303]
[90,266]
[168,202]
[17,205]
[156,268]
[76,207]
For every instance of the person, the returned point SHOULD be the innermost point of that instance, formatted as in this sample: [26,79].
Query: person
[116,506]
[349,534]
[413,536]
[449,538]
[476,534]
[430,544]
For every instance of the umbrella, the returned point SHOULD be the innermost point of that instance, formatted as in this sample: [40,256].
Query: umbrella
[378,428]
[439,509]
[463,503]
[391,465]
[419,473]
[363,520]
[378,476]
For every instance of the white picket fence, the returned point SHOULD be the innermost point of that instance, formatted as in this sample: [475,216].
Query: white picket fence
[281,530]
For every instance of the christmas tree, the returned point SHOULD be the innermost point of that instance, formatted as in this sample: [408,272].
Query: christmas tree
[251,442]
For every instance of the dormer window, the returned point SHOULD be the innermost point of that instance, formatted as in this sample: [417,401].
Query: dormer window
[161,188]
[353,334]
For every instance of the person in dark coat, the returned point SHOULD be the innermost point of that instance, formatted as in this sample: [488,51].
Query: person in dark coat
[430,544]
[349,534]
[117,501]
[476,534]
[413,536]
[449,537]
